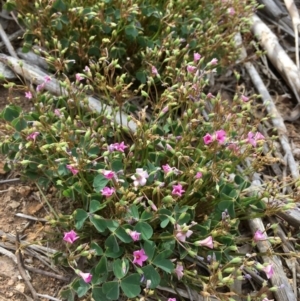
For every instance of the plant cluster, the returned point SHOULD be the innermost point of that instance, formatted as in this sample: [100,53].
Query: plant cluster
[162,205]
[140,33]
[148,205]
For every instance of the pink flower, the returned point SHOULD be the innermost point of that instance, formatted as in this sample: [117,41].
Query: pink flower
[198,175]
[78,77]
[28,95]
[40,87]
[251,139]
[209,96]
[106,191]
[220,136]
[231,11]
[72,169]
[233,147]
[258,235]
[207,242]
[108,174]
[177,190]
[152,205]
[87,277]
[140,177]
[269,270]
[191,69]
[70,237]
[208,139]
[214,62]
[197,57]
[32,136]
[57,113]
[172,299]
[165,109]
[47,79]
[120,146]
[135,235]
[183,232]
[86,69]
[166,168]
[259,136]
[139,257]
[179,270]
[169,147]
[244,98]
[154,71]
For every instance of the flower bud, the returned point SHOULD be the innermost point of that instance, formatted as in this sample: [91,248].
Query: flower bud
[236,260]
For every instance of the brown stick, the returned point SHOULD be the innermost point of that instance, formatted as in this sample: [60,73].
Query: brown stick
[21,268]
[35,270]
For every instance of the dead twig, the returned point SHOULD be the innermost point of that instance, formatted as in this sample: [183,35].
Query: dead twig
[49,274]
[7,42]
[10,180]
[21,268]
[29,216]
[12,37]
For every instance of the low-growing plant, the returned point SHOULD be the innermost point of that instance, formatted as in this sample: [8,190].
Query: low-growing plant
[140,34]
[158,207]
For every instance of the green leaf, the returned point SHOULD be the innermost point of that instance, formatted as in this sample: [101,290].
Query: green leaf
[112,225]
[164,217]
[10,113]
[131,31]
[99,182]
[101,267]
[97,248]
[80,217]
[146,215]
[112,244]
[111,290]
[122,235]
[134,212]
[111,254]
[165,221]
[81,288]
[98,294]
[19,124]
[229,205]
[98,222]
[164,254]
[131,285]
[164,264]
[59,5]
[149,248]
[96,206]
[117,165]
[145,230]
[141,76]
[120,268]
[151,274]
[67,293]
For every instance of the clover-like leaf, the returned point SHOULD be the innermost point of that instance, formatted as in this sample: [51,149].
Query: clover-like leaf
[149,248]
[120,268]
[151,274]
[145,230]
[112,244]
[131,285]
[99,182]
[80,217]
[98,222]
[111,290]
